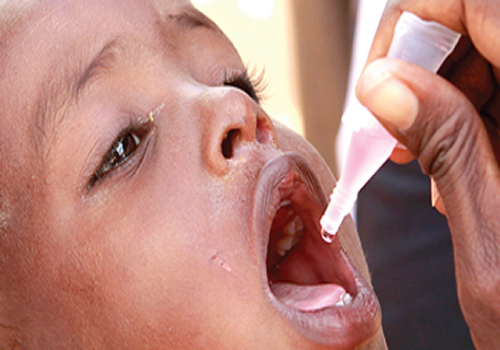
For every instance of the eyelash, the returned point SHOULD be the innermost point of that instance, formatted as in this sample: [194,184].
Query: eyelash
[253,82]
[125,146]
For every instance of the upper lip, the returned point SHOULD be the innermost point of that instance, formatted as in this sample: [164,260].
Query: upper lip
[290,177]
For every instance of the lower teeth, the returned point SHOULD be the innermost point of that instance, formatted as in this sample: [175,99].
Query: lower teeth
[346,299]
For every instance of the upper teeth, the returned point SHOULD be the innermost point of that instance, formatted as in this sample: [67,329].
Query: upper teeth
[291,236]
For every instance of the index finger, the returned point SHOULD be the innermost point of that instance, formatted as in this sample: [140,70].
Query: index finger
[478,19]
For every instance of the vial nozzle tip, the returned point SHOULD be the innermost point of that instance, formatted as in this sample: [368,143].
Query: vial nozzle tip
[327,236]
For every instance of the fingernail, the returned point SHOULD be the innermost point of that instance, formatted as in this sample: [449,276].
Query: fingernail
[401,147]
[434,193]
[388,98]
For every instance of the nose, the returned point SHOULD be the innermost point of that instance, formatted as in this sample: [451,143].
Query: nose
[234,126]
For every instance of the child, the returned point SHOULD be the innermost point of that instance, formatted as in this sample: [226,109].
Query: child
[148,202]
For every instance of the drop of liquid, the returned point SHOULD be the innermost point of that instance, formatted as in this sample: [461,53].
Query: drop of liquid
[327,237]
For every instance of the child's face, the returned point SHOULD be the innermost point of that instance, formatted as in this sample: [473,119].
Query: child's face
[141,184]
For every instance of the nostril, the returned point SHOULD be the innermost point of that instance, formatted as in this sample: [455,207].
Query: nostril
[228,143]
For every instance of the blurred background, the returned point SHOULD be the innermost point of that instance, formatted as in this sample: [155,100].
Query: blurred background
[304,49]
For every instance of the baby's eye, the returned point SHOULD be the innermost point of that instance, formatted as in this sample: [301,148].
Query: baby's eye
[121,151]
[251,83]
[124,148]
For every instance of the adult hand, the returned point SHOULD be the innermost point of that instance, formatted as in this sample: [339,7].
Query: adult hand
[451,125]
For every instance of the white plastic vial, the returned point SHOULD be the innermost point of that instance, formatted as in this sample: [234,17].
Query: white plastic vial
[423,43]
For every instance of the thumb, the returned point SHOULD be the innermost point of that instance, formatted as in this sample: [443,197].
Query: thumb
[437,124]
[444,131]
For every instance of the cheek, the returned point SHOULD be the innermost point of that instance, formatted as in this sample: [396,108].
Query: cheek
[178,258]
[142,269]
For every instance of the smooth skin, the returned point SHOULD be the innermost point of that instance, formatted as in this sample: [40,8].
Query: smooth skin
[451,125]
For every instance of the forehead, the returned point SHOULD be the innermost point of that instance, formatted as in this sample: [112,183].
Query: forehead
[56,32]
[49,45]
[34,26]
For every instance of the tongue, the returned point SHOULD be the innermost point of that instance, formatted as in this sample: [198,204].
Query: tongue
[308,298]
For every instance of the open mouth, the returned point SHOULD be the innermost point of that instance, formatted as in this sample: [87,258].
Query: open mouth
[313,284]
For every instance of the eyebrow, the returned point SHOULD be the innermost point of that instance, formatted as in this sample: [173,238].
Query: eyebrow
[188,19]
[102,62]
[50,106]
